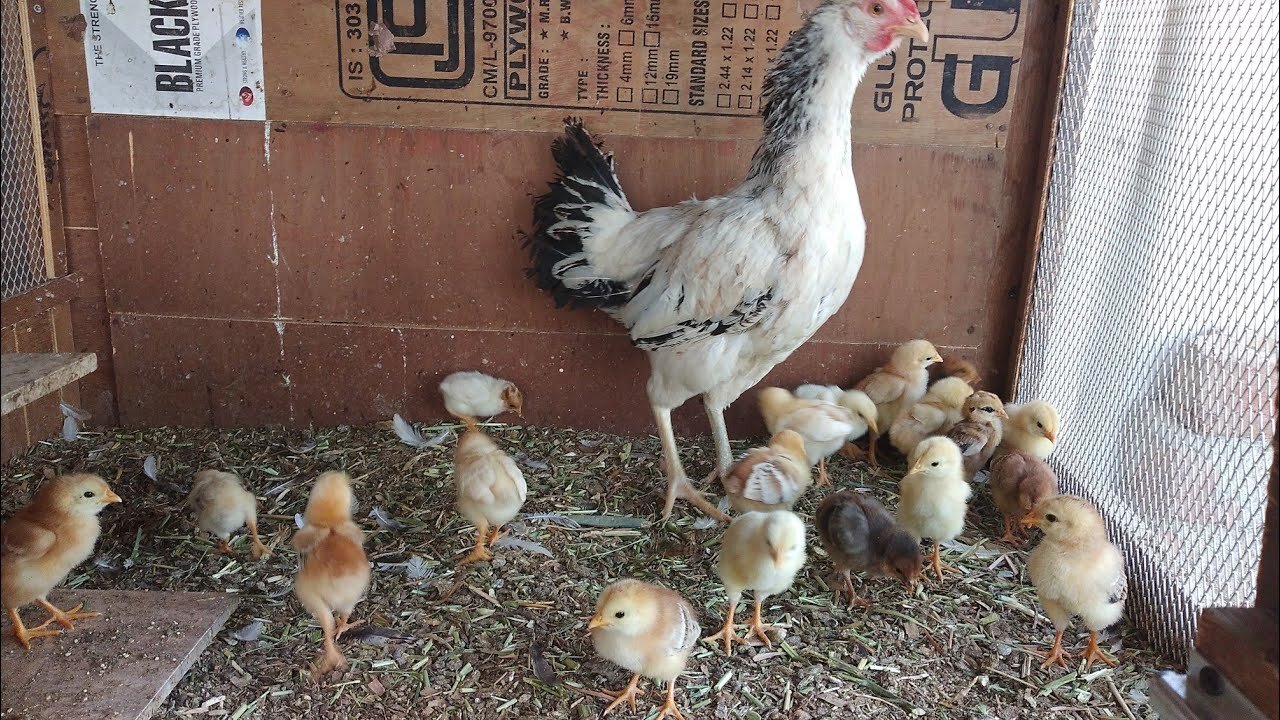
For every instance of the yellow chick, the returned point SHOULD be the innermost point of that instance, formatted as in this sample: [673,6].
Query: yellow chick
[1032,428]
[334,573]
[935,496]
[936,413]
[770,478]
[472,394]
[648,630]
[43,542]
[761,551]
[824,426]
[1077,572]
[897,386]
[222,506]
[491,489]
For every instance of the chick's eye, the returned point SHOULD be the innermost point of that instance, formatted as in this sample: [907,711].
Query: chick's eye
[619,614]
[1051,517]
[877,9]
[1040,426]
[988,409]
[88,493]
[934,463]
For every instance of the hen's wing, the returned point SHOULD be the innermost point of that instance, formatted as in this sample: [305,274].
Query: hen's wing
[718,274]
[25,539]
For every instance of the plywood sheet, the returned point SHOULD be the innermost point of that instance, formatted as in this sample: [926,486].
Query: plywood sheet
[652,67]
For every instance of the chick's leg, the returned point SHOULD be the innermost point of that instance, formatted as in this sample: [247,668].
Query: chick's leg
[678,485]
[1009,535]
[224,547]
[823,479]
[627,694]
[874,439]
[331,658]
[727,633]
[344,625]
[1056,654]
[936,561]
[758,628]
[669,707]
[258,551]
[25,636]
[855,600]
[1093,652]
[64,618]
[478,553]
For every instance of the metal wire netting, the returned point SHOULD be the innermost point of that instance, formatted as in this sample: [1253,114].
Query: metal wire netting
[1154,316]
[21,231]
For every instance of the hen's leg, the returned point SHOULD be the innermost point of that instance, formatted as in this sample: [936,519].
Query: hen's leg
[678,485]
[720,436]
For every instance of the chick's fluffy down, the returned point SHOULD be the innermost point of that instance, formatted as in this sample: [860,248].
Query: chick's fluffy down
[221,503]
[1075,569]
[646,629]
[935,495]
[491,488]
[474,394]
[761,551]
[335,571]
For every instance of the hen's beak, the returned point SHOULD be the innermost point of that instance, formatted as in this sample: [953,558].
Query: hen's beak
[1031,520]
[111,497]
[912,27]
[1051,436]
[596,622]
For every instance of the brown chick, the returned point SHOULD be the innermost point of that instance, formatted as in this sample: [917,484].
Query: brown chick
[335,571]
[491,489]
[895,387]
[1076,571]
[222,506]
[761,552]
[648,630]
[1019,481]
[43,542]
[472,394]
[860,535]
[979,434]
[770,478]
[955,367]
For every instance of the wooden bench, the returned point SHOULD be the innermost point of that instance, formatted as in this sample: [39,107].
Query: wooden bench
[28,377]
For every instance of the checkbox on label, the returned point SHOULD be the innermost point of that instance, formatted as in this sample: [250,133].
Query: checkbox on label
[626,95]
[670,97]
[652,39]
[626,38]
[649,95]
[772,12]
[729,10]
[724,101]
[751,11]
[745,102]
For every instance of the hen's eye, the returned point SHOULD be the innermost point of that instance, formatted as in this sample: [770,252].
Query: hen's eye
[619,614]
[1051,517]
[88,493]
[877,8]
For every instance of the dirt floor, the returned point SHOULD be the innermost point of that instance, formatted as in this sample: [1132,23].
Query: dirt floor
[510,641]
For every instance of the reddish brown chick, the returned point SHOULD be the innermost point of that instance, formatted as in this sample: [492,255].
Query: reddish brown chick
[860,535]
[1019,481]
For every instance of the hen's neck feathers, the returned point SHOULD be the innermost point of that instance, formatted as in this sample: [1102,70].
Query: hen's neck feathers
[808,99]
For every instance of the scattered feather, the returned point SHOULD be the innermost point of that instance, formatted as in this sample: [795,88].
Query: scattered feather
[304,448]
[108,563]
[249,632]
[704,523]
[542,669]
[531,463]
[385,519]
[608,521]
[511,541]
[553,519]
[415,568]
[299,520]
[410,436]
[150,468]
[72,417]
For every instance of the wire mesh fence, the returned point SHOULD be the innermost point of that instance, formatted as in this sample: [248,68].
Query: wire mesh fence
[21,227]
[1155,307]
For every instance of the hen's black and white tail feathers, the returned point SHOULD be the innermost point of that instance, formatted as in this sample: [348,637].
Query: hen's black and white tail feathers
[585,198]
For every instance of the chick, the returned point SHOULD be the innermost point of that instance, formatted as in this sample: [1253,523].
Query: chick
[770,478]
[824,426]
[826,393]
[43,541]
[856,402]
[761,551]
[957,368]
[936,413]
[222,506]
[334,573]
[473,394]
[648,630]
[490,486]
[1076,571]
[895,387]
[860,535]
[935,496]
[1032,427]
[979,434]
[1019,481]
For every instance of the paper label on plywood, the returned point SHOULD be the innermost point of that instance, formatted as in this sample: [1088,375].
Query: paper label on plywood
[660,67]
[177,58]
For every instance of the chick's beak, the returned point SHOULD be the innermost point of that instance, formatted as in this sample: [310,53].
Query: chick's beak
[111,497]
[1051,436]
[871,423]
[596,622]
[1031,520]
[912,27]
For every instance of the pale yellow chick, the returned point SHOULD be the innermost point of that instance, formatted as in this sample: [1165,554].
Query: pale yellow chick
[491,489]
[824,426]
[897,386]
[1032,428]
[936,413]
[472,394]
[334,574]
[935,495]
[770,478]
[1077,572]
[760,551]
[222,506]
[648,630]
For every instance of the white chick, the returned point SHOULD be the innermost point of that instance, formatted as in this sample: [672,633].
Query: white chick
[473,394]
[935,496]
[1032,428]
[826,393]
[760,551]
[824,426]
[222,506]
[1076,571]
[936,413]
[648,630]
[491,489]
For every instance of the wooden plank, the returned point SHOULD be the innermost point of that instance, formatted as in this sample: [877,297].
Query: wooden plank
[65,34]
[1268,598]
[121,665]
[92,326]
[39,300]
[30,376]
[1243,644]
[37,139]
[13,426]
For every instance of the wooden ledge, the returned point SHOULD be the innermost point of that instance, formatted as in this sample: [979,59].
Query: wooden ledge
[26,377]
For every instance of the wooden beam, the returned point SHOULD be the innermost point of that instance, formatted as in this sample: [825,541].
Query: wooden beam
[1241,644]
[27,377]
[37,140]
[37,301]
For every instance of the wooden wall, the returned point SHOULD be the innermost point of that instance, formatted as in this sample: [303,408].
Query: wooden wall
[324,269]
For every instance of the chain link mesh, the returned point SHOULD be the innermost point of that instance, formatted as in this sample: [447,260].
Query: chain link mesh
[1154,317]
[21,233]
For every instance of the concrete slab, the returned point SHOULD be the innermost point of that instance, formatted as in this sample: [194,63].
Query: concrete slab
[120,666]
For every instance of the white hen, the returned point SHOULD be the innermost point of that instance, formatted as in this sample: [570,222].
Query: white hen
[719,291]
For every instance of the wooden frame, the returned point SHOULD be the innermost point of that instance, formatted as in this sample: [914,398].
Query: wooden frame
[37,141]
